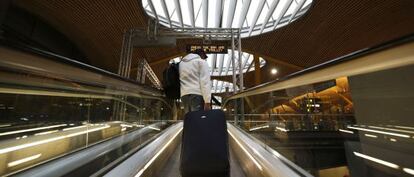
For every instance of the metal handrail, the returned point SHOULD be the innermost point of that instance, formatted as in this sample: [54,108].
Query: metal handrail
[140,161]
[59,73]
[68,163]
[393,54]
[313,114]
[61,59]
[43,63]
[268,160]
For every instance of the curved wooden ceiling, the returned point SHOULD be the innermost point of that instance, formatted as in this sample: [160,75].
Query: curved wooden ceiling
[330,29]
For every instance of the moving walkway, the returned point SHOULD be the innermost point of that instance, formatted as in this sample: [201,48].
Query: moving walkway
[143,139]
[92,143]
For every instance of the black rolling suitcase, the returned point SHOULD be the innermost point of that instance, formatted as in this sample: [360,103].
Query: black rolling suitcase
[205,149]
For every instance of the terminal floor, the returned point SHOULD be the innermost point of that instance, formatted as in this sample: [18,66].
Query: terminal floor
[172,167]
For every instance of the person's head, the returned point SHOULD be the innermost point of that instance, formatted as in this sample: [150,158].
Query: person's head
[201,53]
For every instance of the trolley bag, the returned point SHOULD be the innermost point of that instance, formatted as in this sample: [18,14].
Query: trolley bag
[204,148]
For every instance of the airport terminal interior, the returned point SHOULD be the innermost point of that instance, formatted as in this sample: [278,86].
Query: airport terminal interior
[321,88]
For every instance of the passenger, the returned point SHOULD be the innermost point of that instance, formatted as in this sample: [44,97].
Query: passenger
[195,82]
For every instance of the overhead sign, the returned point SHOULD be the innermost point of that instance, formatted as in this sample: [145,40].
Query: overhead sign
[208,48]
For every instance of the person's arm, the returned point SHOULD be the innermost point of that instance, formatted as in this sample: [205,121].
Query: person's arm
[205,84]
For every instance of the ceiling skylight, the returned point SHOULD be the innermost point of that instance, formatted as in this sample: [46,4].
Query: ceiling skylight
[221,65]
[253,17]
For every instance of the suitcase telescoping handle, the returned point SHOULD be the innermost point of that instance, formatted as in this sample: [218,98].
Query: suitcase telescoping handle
[214,99]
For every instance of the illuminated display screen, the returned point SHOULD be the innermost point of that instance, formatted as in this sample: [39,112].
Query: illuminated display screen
[208,48]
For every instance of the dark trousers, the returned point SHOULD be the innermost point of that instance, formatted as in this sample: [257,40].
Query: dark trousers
[192,102]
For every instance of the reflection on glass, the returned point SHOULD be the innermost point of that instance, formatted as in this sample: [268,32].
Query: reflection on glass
[335,128]
[37,128]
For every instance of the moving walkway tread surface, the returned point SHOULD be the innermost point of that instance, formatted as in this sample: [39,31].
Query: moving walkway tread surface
[172,167]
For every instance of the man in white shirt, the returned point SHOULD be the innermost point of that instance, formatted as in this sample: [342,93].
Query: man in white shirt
[195,82]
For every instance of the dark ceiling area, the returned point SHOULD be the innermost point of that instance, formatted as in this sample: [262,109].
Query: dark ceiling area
[330,29]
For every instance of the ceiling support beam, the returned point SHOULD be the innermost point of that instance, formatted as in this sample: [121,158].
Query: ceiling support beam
[179,13]
[165,9]
[230,14]
[296,10]
[243,14]
[191,9]
[282,13]
[219,13]
[153,10]
[269,14]
[256,16]
[205,13]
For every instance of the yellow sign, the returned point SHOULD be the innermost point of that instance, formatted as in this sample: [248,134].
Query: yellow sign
[208,48]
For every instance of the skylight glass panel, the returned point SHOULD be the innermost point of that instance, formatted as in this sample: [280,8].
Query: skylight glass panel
[237,13]
[145,3]
[174,17]
[291,8]
[263,14]
[212,12]
[228,13]
[185,12]
[158,7]
[252,10]
[307,3]
[225,14]
[170,6]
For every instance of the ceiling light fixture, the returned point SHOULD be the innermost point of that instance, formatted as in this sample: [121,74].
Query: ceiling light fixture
[273,71]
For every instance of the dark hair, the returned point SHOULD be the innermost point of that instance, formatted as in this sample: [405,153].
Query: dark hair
[201,53]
